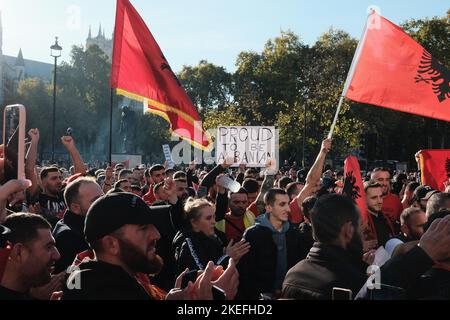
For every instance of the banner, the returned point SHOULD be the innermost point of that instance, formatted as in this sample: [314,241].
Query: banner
[252,146]
[168,156]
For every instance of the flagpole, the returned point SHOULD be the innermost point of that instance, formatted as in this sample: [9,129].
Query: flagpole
[110,125]
[350,74]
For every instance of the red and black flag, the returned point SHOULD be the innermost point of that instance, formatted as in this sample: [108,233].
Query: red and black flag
[141,72]
[435,168]
[354,188]
[392,70]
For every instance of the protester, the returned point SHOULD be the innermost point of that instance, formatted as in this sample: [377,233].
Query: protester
[408,196]
[31,259]
[306,239]
[120,229]
[273,249]
[380,227]
[437,202]
[197,243]
[336,259]
[412,222]
[421,196]
[68,232]
[157,174]
[238,219]
[392,206]
[122,185]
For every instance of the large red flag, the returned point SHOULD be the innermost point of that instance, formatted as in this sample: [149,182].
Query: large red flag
[354,188]
[141,72]
[392,70]
[435,168]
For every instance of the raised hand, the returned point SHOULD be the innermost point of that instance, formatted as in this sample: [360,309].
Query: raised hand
[34,135]
[326,145]
[238,250]
[68,142]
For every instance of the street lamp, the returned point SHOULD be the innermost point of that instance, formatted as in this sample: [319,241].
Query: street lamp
[55,52]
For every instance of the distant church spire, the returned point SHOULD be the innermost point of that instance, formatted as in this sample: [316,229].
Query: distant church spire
[19,61]
[99,31]
[90,33]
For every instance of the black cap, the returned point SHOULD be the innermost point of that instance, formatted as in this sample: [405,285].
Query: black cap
[112,211]
[423,193]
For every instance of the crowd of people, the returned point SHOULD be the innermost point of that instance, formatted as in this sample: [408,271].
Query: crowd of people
[155,233]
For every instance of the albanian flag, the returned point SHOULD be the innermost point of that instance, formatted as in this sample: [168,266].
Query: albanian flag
[141,72]
[392,70]
[354,188]
[435,168]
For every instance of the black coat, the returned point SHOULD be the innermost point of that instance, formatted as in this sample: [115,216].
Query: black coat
[325,267]
[168,220]
[257,269]
[69,237]
[305,240]
[104,281]
[330,266]
[194,250]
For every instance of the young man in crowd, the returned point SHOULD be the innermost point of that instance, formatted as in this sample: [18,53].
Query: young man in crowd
[379,226]
[68,232]
[157,175]
[31,260]
[336,259]
[392,206]
[273,249]
[238,219]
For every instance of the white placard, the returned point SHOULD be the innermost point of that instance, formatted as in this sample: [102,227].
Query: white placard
[168,156]
[252,146]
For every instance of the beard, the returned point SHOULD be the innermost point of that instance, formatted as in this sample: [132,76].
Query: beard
[238,212]
[138,261]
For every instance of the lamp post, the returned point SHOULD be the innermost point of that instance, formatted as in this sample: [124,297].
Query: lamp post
[55,52]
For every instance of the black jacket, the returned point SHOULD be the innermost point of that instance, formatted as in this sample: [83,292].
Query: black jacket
[69,237]
[103,281]
[257,269]
[325,267]
[330,266]
[194,250]
[169,220]
[434,285]
[11,295]
[305,240]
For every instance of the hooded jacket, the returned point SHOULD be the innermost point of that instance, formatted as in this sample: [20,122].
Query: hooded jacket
[272,253]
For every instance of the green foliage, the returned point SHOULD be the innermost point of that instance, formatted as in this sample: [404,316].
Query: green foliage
[83,103]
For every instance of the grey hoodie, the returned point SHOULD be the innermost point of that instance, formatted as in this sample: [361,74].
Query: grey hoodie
[279,238]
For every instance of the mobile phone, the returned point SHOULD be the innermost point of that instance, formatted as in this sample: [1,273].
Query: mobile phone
[189,276]
[202,192]
[14,119]
[341,294]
